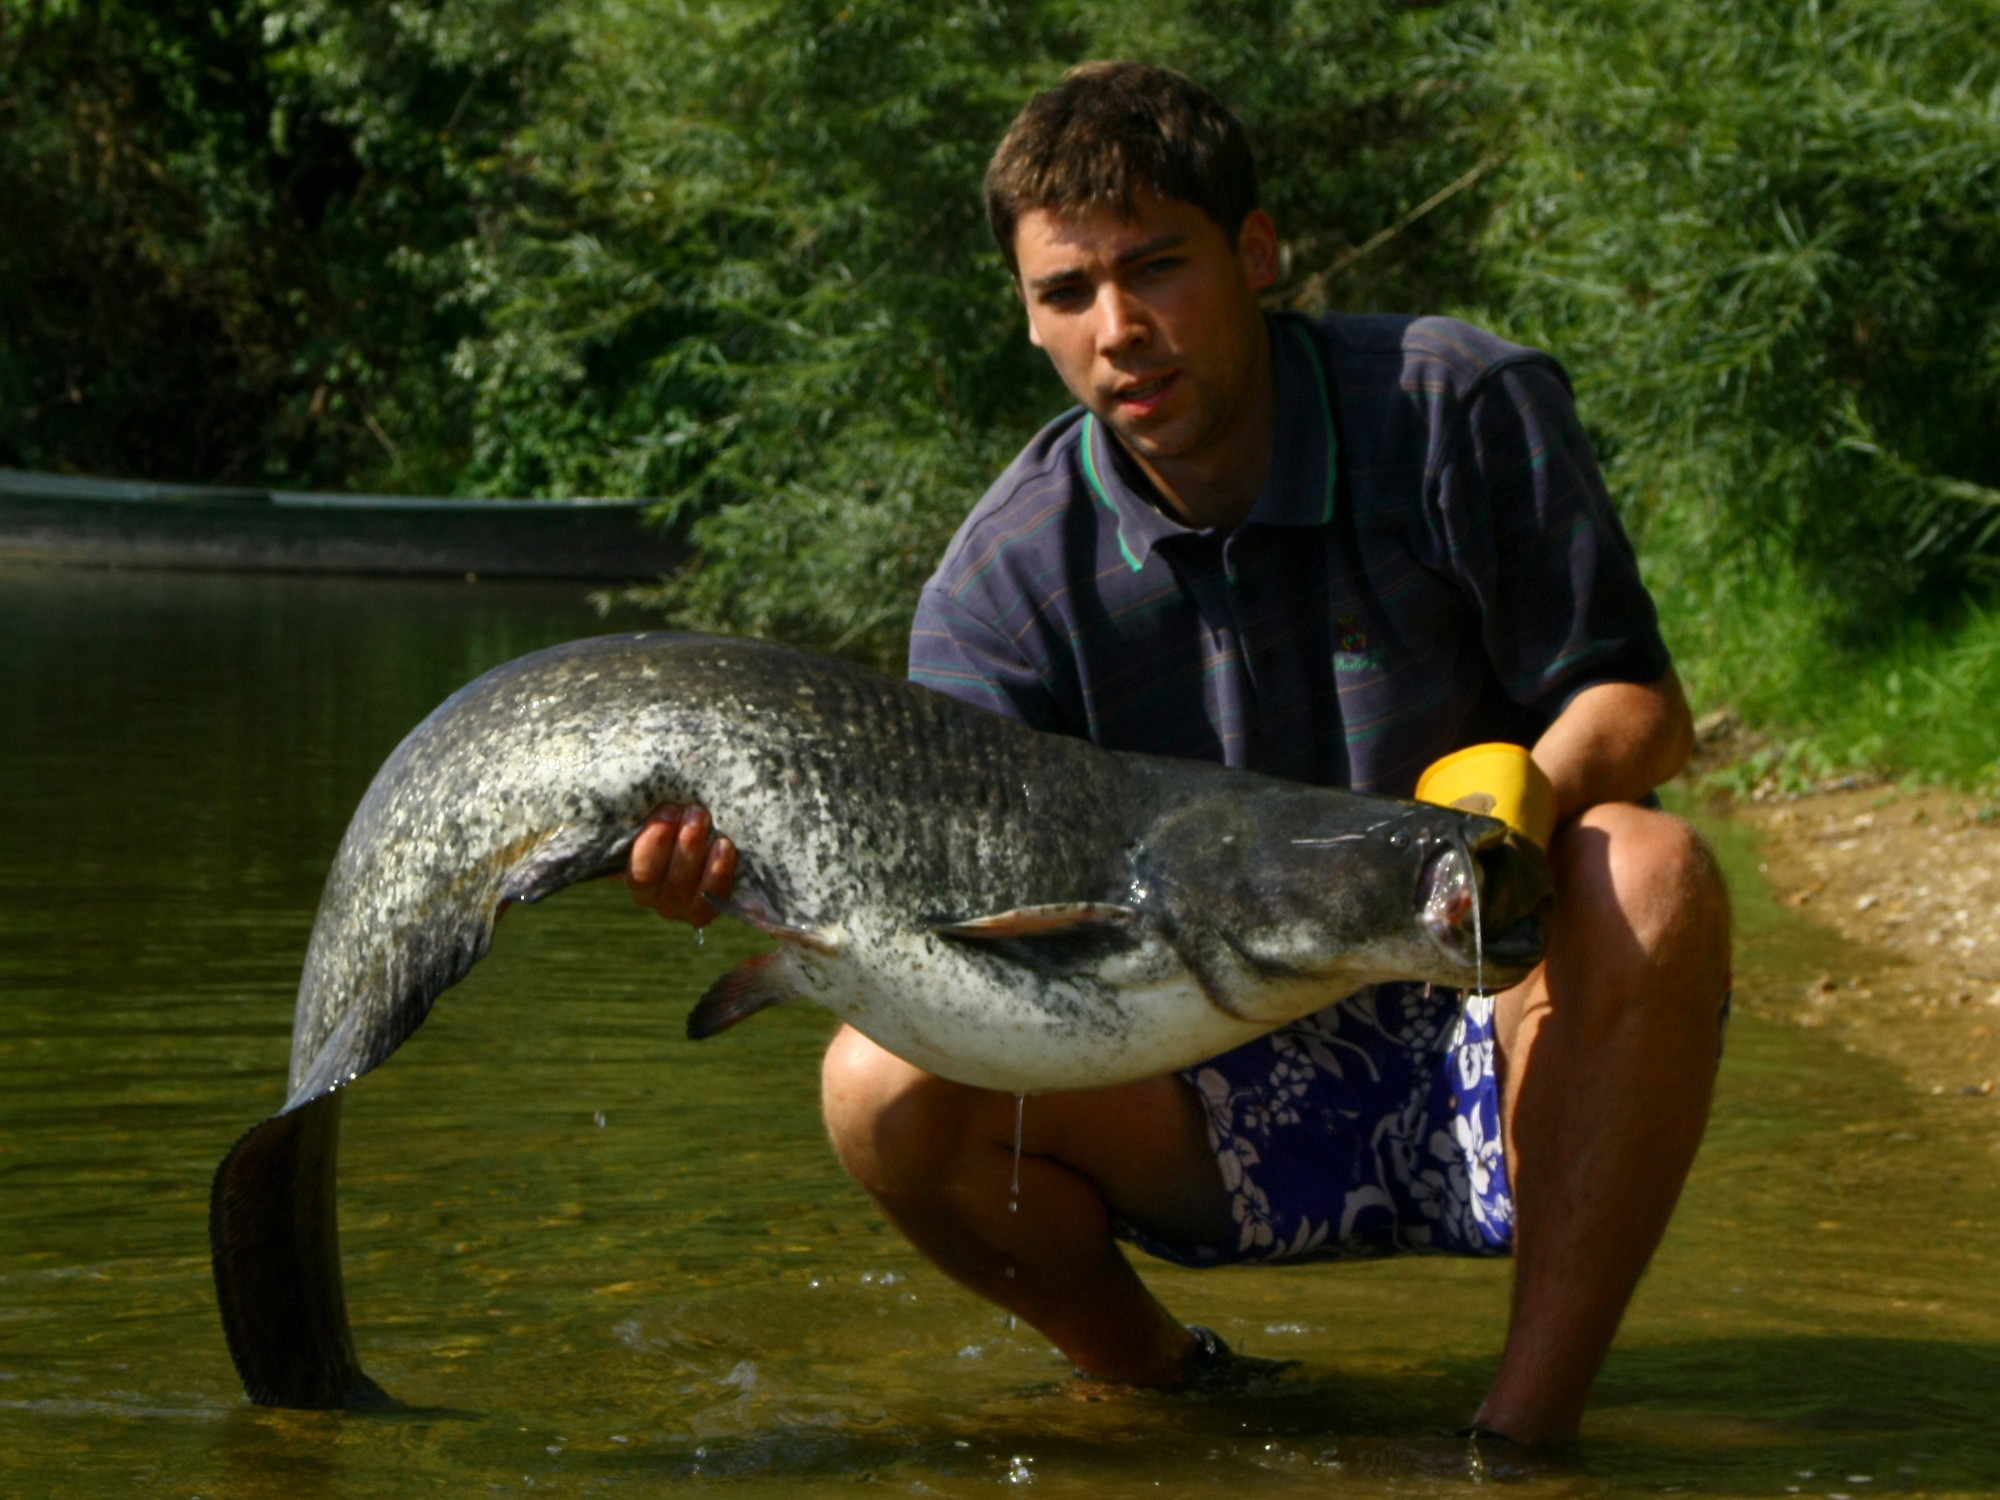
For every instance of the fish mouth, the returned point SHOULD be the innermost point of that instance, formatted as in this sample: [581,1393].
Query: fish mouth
[1486,906]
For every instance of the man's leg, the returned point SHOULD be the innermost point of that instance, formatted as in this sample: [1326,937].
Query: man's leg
[939,1159]
[1608,1054]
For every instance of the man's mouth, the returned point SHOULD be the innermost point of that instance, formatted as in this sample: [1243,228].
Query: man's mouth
[1146,394]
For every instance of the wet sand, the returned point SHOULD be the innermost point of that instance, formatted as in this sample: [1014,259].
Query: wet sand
[1909,879]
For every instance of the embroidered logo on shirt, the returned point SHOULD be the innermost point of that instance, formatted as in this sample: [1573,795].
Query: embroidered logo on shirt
[1354,654]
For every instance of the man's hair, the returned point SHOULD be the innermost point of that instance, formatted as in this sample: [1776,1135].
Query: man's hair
[1111,130]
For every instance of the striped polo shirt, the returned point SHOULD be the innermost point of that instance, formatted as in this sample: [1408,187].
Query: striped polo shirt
[1433,563]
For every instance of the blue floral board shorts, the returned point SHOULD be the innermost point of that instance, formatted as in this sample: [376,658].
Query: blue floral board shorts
[1369,1128]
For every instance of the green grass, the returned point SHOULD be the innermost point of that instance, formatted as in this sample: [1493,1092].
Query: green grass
[1920,700]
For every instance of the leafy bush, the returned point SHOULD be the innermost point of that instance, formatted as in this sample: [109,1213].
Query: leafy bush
[233,230]
[1767,238]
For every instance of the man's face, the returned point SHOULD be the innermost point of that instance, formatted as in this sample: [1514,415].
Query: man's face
[1152,321]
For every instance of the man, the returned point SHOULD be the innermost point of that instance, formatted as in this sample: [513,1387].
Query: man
[1336,551]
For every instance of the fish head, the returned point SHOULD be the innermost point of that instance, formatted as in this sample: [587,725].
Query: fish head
[1283,898]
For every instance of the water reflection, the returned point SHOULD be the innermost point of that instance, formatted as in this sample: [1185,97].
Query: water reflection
[594,1257]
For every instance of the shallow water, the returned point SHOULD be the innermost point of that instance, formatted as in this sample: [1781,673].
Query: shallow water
[598,1259]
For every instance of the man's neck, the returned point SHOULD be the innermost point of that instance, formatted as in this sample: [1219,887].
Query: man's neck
[1217,487]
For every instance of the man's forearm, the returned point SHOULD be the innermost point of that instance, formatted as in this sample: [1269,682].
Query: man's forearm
[1615,742]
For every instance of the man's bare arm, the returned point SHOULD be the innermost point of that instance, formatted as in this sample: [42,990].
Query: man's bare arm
[1616,742]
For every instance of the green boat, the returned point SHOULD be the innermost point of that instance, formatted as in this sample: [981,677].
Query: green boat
[140,524]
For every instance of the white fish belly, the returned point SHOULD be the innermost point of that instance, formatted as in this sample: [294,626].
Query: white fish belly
[952,1017]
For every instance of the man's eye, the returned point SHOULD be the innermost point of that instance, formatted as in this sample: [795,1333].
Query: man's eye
[1164,265]
[1062,296]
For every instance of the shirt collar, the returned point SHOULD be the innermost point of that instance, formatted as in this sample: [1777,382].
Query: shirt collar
[1299,491]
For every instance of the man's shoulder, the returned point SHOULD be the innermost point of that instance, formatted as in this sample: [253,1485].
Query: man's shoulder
[1021,514]
[1430,355]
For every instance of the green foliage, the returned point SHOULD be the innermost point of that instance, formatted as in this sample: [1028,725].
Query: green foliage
[225,222]
[769,297]
[1916,701]
[730,255]
[1767,238]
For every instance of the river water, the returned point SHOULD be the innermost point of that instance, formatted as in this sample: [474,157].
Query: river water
[597,1259]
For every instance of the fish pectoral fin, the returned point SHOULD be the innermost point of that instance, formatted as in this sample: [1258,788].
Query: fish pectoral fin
[738,995]
[751,907]
[1039,921]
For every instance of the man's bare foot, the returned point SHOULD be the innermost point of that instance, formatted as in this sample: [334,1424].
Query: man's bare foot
[1213,1369]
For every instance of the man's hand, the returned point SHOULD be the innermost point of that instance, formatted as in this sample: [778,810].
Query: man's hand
[675,865]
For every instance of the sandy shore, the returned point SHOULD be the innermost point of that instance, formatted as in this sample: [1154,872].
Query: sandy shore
[1911,879]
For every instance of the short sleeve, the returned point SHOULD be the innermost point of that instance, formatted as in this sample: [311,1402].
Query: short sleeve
[954,652]
[1532,536]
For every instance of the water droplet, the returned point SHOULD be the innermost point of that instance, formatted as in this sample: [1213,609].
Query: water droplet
[599,1118]
[1478,927]
[1014,1200]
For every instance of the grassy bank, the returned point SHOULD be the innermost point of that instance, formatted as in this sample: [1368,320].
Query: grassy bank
[1917,703]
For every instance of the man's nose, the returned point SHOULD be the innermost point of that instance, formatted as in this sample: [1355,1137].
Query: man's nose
[1121,321]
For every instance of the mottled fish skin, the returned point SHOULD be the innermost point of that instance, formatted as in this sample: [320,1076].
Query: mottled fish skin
[1202,906]
[859,804]
[865,810]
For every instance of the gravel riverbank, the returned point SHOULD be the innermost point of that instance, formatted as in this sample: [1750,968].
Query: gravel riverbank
[1911,880]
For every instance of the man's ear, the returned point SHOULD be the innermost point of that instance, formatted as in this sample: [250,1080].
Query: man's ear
[1257,249]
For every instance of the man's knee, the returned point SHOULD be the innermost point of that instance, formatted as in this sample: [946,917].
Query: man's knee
[894,1126]
[1643,871]
[1642,924]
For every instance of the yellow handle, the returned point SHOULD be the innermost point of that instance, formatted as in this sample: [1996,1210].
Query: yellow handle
[1501,781]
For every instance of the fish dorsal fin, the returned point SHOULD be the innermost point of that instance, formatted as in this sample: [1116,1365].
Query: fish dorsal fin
[1039,921]
[751,986]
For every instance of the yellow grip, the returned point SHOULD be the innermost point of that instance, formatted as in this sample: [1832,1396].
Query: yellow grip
[1501,781]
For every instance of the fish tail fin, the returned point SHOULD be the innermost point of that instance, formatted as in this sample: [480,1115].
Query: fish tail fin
[274,1235]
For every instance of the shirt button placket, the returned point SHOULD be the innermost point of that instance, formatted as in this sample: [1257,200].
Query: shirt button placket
[1242,596]
[1242,602]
